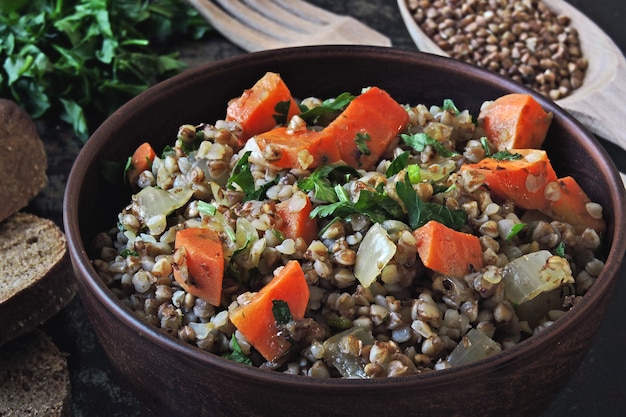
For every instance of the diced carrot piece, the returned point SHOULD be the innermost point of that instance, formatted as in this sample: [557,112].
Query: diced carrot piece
[364,130]
[140,161]
[255,109]
[204,261]
[256,321]
[522,181]
[447,251]
[295,218]
[515,121]
[568,203]
[305,149]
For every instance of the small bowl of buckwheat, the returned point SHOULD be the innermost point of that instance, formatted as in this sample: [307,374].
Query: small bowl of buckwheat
[546,45]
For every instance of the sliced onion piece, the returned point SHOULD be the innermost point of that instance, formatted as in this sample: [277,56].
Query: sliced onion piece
[473,346]
[528,276]
[153,201]
[375,252]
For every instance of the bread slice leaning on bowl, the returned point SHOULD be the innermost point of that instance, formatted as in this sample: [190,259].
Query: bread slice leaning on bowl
[36,279]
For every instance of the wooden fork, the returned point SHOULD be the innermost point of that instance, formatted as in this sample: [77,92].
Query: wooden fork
[256,25]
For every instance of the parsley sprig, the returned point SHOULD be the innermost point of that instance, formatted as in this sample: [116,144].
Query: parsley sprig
[331,105]
[82,59]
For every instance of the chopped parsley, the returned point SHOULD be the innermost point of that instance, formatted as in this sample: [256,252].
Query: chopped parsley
[448,105]
[242,176]
[421,212]
[419,141]
[282,111]
[330,105]
[361,143]
[518,227]
[206,208]
[237,354]
[376,205]
[281,312]
[560,250]
[320,181]
[485,143]
[506,156]
[398,164]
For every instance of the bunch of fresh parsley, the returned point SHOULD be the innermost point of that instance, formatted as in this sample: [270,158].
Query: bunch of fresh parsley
[79,60]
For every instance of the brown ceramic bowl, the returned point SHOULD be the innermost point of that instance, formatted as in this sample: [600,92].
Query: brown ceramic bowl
[174,378]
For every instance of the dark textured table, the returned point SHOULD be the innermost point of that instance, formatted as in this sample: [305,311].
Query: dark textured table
[598,387]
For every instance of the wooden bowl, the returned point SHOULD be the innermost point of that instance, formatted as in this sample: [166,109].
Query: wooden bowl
[174,378]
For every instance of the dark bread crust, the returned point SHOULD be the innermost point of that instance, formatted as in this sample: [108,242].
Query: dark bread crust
[23,161]
[34,377]
[51,290]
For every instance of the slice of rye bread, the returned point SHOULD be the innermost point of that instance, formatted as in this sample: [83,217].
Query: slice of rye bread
[23,160]
[36,278]
[34,377]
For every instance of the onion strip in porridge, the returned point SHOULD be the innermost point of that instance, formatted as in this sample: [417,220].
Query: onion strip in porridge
[431,248]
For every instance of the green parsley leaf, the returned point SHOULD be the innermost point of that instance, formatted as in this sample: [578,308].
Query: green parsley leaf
[80,60]
[328,106]
[560,250]
[506,156]
[361,143]
[376,205]
[127,252]
[415,173]
[242,176]
[421,212]
[282,111]
[321,181]
[418,141]
[281,312]
[485,143]
[237,354]
[448,105]
[206,208]
[398,164]
[518,227]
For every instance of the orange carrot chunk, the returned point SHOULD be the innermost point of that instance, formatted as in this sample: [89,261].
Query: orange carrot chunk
[515,121]
[522,181]
[140,161]
[200,271]
[364,130]
[570,204]
[256,321]
[302,149]
[256,109]
[295,218]
[447,251]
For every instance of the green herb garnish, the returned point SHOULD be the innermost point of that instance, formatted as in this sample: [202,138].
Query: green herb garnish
[127,252]
[560,249]
[237,354]
[206,208]
[282,111]
[485,143]
[448,105]
[418,141]
[281,312]
[518,227]
[398,164]
[330,105]
[421,212]
[506,156]
[361,143]
[80,60]
[320,181]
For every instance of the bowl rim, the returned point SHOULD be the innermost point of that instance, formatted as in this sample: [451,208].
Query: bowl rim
[89,278]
